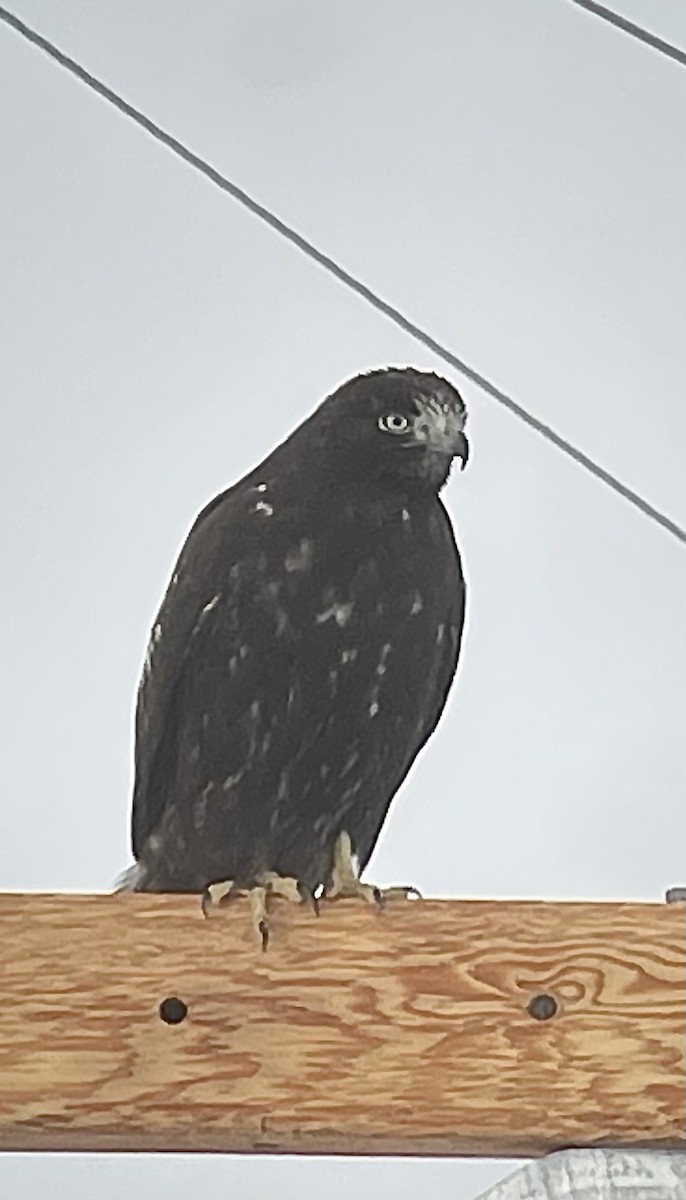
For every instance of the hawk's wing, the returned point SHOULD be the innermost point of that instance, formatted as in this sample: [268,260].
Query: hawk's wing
[175,633]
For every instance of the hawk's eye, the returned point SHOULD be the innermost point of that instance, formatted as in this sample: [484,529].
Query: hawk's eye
[393,423]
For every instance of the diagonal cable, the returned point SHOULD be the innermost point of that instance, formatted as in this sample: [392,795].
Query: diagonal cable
[635,31]
[350,281]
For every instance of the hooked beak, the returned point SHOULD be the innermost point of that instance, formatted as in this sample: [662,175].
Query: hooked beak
[462,449]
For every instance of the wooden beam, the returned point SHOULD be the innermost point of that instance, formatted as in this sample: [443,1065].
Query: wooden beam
[435,1027]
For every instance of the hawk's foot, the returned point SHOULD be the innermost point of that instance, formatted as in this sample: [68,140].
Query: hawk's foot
[346,882]
[267,887]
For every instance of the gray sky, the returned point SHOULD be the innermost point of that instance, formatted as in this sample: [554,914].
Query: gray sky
[510,175]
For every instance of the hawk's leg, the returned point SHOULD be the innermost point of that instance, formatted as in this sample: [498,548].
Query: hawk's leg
[346,882]
[266,887]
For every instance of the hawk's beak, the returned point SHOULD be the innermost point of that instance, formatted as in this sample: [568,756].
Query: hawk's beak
[462,449]
[450,440]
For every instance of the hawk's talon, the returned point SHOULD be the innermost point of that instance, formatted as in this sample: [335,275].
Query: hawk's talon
[401,893]
[261,893]
[308,897]
[218,895]
[345,881]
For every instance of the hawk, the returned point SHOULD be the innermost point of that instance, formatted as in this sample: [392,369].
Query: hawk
[303,653]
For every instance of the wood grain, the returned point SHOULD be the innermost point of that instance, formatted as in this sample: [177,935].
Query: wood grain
[361,1033]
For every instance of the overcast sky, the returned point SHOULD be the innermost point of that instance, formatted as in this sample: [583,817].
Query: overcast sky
[510,175]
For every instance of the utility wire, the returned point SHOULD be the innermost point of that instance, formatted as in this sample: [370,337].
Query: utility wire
[339,272]
[636,31]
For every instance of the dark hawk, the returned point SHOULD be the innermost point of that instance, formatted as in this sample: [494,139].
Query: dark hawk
[303,652]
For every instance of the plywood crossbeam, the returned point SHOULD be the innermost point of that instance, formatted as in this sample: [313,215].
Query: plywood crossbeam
[439,1027]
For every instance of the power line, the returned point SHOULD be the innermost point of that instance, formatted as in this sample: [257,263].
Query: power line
[340,273]
[636,31]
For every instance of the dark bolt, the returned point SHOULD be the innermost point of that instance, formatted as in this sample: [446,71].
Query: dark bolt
[542,1007]
[173,1011]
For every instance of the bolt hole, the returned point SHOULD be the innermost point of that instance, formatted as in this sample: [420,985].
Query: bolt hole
[542,1007]
[173,1011]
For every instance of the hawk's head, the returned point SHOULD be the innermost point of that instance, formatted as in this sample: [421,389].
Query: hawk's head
[395,423]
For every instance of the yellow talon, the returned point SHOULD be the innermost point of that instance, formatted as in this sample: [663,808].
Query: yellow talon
[345,880]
